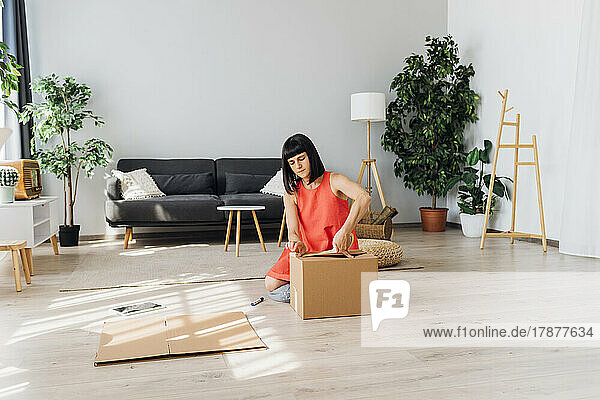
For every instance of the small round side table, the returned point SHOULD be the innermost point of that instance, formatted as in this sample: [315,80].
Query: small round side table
[238,210]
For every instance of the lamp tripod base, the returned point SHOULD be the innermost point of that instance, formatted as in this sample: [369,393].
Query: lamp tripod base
[370,164]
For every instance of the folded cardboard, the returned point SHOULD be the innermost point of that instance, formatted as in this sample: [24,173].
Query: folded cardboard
[154,337]
[329,285]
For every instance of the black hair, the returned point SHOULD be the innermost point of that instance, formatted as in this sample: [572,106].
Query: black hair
[294,145]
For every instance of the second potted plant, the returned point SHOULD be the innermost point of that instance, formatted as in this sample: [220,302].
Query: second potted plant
[61,113]
[472,193]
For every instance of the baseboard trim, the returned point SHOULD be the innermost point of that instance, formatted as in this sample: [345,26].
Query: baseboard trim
[213,231]
[550,242]
[274,226]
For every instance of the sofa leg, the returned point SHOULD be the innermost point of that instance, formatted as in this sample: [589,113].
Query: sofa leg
[128,236]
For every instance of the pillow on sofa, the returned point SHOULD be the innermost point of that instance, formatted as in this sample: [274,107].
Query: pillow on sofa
[136,185]
[244,183]
[275,185]
[202,183]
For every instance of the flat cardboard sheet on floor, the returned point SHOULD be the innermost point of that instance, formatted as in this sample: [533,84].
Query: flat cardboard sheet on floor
[154,337]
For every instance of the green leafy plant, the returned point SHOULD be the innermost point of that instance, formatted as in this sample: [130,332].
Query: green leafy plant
[9,74]
[61,113]
[425,122]
[472,193]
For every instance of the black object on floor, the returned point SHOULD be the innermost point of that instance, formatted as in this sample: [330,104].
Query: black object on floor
[138,308]
[68,235]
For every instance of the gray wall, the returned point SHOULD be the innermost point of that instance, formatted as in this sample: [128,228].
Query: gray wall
[533,53]
[231,78]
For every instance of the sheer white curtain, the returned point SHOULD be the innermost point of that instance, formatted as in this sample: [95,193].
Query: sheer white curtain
[580,226]
[12,149]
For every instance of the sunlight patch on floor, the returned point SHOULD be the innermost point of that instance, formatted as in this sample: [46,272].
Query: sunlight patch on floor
[109,244]
[10,371]
[14,389]
[256,364]
[148,250]
[206,298]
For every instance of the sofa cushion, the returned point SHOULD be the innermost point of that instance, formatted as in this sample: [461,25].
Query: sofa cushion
[254,166]
[189,208]
[273,205]
[275,185]
[156,166]
[113,188]
[244,183]
[137,184]
[203,183]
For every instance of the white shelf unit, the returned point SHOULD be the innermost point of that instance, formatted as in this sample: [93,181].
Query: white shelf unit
[32,220]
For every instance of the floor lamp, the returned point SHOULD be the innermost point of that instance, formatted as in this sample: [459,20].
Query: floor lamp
[369,107]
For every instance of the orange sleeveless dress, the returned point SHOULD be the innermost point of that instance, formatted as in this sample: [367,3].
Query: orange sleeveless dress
[321,214]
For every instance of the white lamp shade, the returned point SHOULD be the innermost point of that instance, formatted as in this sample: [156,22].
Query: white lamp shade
[4,135]
[367,107]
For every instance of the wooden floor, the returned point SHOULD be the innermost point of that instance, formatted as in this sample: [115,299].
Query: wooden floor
[48,340]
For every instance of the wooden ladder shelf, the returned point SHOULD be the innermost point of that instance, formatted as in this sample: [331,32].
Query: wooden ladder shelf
[512,234]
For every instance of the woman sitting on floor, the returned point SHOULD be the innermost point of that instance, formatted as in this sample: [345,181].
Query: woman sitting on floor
[316,210]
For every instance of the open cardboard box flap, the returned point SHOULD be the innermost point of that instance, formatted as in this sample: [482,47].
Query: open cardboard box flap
[331,253]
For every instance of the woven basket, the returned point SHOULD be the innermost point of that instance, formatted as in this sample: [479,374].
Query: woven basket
[365,230]
[387,253]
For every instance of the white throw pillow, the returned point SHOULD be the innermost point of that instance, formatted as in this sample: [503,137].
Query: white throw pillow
[136,185]
[275,185]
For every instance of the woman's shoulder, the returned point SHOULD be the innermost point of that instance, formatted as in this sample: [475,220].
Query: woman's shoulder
[290,196]
[337,177]
[336,181]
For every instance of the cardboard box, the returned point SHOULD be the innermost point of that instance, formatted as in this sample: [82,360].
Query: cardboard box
[329,285]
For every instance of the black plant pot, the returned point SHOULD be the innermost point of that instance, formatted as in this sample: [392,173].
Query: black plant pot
[68,235]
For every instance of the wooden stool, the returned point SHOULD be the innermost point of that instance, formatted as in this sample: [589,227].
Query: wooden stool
[17,247]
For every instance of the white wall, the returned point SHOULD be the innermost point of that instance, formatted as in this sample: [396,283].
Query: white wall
[231,78]
[529,47]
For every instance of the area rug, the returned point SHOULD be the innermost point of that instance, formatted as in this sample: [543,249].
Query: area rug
[170,264]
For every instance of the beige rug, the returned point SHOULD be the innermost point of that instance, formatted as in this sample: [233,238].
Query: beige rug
[170,264]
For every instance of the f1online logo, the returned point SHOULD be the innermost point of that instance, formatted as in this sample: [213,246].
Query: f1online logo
[389,299]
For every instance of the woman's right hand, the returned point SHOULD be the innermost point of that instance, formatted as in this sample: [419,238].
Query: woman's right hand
[296,246]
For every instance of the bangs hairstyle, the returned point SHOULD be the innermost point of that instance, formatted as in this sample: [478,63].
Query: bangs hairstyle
[294,145]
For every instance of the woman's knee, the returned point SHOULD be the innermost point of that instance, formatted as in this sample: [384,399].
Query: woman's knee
[282,293]
[273,283]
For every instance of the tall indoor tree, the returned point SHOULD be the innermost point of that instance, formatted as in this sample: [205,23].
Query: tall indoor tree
[62,113]
[425,122]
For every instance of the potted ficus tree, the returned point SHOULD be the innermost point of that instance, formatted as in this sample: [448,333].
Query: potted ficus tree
[472,192]
[425,123]
[61,113]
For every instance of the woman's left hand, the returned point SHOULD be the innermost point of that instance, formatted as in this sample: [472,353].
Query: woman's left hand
[342,241]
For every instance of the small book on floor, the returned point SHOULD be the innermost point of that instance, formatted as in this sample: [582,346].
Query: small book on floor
[138,308]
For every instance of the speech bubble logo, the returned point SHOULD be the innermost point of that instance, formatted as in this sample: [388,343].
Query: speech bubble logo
[389,299]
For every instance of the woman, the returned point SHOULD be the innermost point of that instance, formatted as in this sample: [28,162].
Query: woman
[316,210]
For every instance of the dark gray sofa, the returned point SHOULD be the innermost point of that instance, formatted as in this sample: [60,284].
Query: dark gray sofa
[195,188]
